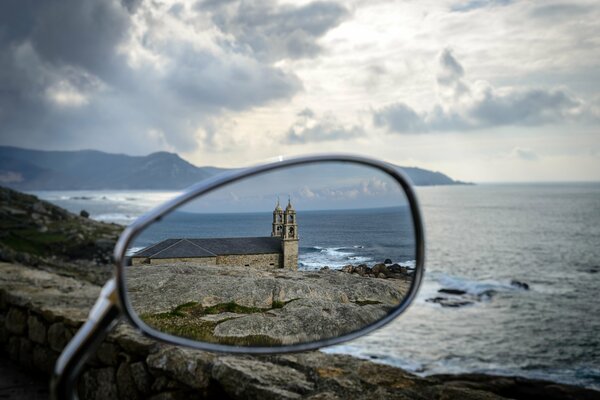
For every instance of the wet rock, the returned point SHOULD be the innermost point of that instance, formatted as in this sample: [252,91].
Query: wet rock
[387,261]
[379,269]
[446,302]
[519,284]
[457,292]
[361,269]
[84,214]
[347,268]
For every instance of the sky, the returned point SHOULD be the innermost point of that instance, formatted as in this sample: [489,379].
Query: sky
[484,91]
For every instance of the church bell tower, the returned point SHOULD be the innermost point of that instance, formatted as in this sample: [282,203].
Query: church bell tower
[289,241]
[277,230]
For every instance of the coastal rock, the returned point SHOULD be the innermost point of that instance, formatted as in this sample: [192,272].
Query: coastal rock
[84,214]
[457,292]
[162,371]
[519,284]
[447,302]
[387,261]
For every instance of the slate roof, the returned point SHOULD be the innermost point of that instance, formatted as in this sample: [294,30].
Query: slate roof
[193,248]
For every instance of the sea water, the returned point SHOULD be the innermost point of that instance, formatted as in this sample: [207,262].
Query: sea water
[479,239]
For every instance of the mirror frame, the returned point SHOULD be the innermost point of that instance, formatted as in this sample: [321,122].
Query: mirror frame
[219,181]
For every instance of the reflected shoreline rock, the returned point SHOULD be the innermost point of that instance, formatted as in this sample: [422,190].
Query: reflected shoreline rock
[242,306]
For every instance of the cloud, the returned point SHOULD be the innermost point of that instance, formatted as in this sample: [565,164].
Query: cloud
[524,154]
[466,105]
[106,74]
[275,32]
[311,128]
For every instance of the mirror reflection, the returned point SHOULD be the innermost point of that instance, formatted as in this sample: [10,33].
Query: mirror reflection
[291,256]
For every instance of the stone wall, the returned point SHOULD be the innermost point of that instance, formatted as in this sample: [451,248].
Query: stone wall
[40,312]
[272,260]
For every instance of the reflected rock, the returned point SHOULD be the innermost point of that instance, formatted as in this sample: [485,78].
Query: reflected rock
[519,284]
[252,307]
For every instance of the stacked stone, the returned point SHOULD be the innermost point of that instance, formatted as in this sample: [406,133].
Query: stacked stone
[40,312]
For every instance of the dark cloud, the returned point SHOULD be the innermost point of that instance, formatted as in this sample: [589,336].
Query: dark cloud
[66,80]
[559,11]
[399,117]
[467,106]
[311,128]
[275,32]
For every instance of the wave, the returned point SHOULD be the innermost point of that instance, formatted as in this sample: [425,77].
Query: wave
[316,257]
[115,217]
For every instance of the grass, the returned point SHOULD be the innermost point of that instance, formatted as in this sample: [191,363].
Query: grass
[185,320]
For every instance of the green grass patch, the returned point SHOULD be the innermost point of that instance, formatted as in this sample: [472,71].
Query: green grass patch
[232,307]
[185,321]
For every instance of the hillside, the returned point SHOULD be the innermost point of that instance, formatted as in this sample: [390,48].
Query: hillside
[24,169]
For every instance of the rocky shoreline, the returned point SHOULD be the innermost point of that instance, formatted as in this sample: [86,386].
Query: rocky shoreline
[46,290]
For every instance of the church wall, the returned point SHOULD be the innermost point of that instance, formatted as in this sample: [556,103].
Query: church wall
[252,260]
[194,260]
[290,254]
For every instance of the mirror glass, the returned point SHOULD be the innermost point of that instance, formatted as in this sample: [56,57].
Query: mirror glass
[295,255]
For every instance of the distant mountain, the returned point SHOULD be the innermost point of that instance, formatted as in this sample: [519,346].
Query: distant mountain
[25,169]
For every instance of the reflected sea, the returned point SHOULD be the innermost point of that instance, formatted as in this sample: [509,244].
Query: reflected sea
[479,239]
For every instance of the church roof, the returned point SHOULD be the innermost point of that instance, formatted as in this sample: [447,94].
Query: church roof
[193,248]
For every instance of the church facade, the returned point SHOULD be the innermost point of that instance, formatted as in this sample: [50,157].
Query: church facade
[280,250]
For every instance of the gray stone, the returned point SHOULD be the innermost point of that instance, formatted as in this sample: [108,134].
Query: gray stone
[98,384]
[16,321]
[37,329]
[108,354]
[252,378]
[125,383]
[25,352]
[13,347]
[172,395]
[44,359]
[141,377]
[58,336]
[3,330]
[185,365]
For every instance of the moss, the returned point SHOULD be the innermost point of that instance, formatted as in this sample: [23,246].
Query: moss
[185,321]
[232,307]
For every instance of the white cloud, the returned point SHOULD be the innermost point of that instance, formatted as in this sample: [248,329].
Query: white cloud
[467,105]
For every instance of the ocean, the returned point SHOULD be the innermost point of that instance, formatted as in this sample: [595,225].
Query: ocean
[479,240]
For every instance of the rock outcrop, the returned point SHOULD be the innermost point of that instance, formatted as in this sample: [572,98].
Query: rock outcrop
[37,233]
[258,306]
[40,311]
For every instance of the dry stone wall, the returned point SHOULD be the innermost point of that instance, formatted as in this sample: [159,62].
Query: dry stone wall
[40,312]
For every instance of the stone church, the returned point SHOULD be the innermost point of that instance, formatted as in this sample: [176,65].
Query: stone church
[280,250]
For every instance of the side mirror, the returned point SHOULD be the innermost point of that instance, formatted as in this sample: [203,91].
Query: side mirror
[284,257]
[228,267]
